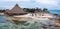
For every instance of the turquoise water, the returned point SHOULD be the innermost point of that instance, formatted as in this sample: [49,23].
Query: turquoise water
[55,11]
[4,24]
[3,19]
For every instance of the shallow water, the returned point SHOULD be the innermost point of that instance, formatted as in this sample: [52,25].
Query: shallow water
[43,24]
[55,11]
[2,19]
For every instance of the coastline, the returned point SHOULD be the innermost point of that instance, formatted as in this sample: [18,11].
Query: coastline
[55,11]
[1,13]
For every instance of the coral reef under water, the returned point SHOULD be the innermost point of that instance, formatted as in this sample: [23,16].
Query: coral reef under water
[43,24]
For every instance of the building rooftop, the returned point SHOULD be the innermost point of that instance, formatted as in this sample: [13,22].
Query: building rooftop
[16,9]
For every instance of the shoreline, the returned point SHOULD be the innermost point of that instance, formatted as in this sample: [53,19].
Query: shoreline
[2,14]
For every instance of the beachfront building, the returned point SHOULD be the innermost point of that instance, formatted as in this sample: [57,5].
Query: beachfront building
[16,10]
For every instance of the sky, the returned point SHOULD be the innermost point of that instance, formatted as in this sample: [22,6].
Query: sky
[49,4]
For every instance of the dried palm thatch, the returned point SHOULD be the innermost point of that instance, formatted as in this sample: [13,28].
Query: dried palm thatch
[16,10]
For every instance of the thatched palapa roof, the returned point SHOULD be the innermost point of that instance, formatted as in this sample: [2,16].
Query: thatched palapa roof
[16,10]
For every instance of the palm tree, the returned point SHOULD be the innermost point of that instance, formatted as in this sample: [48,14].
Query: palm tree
[38,9]
[30,10]
[45,10]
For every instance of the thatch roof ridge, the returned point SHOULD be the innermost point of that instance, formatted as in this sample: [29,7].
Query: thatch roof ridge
[16,9]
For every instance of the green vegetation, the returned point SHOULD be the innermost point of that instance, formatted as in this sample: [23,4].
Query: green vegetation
[33,10]
[30,10]
[45,10]
[3,10]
